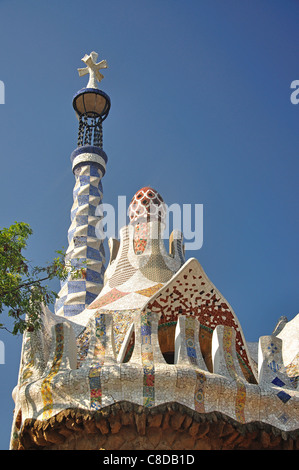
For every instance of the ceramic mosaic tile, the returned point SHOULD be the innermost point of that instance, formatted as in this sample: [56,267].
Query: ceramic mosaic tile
[110,297]
[191,293]
[150,291]
[46,389]
[97,363]
[147,296]
[85,249]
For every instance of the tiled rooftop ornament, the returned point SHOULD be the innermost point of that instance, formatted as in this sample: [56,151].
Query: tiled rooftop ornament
[89,161]
[147,205]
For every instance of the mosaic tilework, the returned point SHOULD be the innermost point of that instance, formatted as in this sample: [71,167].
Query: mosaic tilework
[85,249]
[241,389]
[150,381]
[147,204]
[123,269]
[147,361]
[140,237]
[33,362]
[191,293]
[83,341]
[271,361]
[283,396]
[122,320]
[108,298]
[46,387]
[199,394]
[28,362]
[149,291]
[129,272]
[176,245]
[94,375]
[272,371]
[293,371]
[189,333]
[156,268]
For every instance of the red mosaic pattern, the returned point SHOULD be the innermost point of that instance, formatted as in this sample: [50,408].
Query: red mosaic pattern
[140,237]
[194,294]
[108,298]
[147,204]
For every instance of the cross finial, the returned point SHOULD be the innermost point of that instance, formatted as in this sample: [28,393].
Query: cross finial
[93,69]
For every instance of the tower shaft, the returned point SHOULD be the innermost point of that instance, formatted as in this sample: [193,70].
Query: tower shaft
[85,250]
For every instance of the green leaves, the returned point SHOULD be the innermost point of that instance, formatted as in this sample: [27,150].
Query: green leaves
[23,287]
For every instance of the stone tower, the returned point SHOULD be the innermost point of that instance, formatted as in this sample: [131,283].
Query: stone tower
[146,353]
[86,250]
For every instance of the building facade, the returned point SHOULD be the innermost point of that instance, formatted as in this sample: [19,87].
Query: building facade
[146,353]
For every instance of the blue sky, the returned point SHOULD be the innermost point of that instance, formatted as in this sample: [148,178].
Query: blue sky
[201,111]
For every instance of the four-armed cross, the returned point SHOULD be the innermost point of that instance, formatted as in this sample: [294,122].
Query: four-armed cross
[93,69]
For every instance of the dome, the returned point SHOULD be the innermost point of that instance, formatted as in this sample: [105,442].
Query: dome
[146,205]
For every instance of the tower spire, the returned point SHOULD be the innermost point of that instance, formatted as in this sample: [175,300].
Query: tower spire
[89,160]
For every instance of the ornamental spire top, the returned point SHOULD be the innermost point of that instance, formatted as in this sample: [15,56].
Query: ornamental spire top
[93,69]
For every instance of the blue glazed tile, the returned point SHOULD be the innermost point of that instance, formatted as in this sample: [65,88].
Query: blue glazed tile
[278,382]
[91,231]
[145,330]
[73,213]
[94,191]
[76,286]
[92,209]
[146,339]
[94,171]
[81,220]
[191,352]
[90,297]
[70,310]
[95,382]
[96,406]
[283,396]
[80,241]
[83,199]
[60,302]
[93,276]
[84,180]
[92,253]
[274,366]
[149,370]
[283,418]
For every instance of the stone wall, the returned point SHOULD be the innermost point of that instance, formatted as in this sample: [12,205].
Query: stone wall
[125,426]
